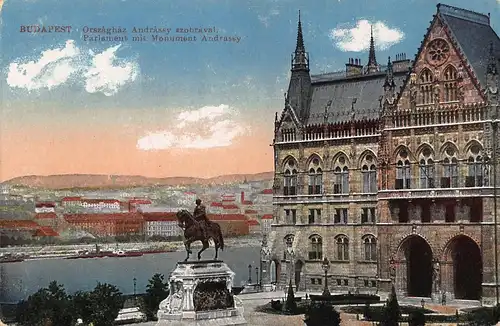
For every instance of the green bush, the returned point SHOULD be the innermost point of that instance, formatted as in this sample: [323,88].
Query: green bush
[290,304]
[321,314]
[416,318]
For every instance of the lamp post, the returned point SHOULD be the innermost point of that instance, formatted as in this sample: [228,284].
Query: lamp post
[256,275]
[326,266]
[135,284]
[249,274]
[494,145]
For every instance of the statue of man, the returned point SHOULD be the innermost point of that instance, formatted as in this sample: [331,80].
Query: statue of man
[200,215]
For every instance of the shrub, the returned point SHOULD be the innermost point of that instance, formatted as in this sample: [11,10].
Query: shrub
[392,312]
[416,318]
[290,304]
[276,305]
[321,314]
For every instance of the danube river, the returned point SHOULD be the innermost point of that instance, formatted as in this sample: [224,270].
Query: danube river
[19,280]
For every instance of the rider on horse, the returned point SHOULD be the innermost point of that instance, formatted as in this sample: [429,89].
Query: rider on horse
[200,215]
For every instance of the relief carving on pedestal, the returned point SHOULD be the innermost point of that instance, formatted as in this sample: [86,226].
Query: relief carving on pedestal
[212,295]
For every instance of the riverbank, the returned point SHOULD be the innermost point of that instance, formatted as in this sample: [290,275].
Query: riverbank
[62,251]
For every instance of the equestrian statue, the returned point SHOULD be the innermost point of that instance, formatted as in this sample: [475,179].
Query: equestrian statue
[197,227]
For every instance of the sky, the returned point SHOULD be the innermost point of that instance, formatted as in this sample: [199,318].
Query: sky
[74,103]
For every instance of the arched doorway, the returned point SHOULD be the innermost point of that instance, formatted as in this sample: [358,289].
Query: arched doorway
[298,272]
[467,267]
[274,271]
[418,265]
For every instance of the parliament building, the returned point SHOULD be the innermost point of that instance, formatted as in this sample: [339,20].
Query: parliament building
[388,170]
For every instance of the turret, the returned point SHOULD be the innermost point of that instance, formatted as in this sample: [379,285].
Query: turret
[299,89]
[372,60]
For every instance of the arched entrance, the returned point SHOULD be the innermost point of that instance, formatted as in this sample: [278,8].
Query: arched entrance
[465,268]
[274,271]
[298,271]
[415,274]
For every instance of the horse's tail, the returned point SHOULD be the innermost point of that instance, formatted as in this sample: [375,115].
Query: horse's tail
[221,238]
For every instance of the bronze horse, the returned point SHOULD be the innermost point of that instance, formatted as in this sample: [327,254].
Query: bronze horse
[193,232]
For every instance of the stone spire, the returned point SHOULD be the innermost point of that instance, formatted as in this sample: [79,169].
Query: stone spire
[372,60]
[300,60]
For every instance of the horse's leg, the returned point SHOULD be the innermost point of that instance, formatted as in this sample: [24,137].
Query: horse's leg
[205,246]
[216,250]
[187,244]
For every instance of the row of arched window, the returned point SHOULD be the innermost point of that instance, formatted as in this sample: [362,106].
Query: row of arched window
[449,91]
[341,251]
[431,174]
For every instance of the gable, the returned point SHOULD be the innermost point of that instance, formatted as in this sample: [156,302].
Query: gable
[288,124]
[438,62]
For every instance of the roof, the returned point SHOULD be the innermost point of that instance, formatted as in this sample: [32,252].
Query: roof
[45,204]
[227,217]
[253,222]
[247,202]
[98,201]
[18,224]
[45,231]
[474,34]
[267,192]
[139,201]
[267,217]
[230,206]
[39,216]
[215,204]
[367,90]
[71,199]
[250,211]
[159,216]
[102,217]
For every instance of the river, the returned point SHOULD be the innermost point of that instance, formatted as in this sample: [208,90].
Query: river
[19,280]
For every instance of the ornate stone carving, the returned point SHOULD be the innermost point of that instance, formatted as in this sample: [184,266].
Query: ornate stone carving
[438,52]
[212,295]
[436,276]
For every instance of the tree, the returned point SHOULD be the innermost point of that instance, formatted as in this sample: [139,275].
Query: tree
[290,304]
[100,306]
[416,318]
[48,306]
[392,312]
[321,314]
[156,291]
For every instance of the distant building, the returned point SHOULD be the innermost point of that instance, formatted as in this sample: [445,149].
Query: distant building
[46,219]
[254,226]
[101,204]
[138,204]
[107,224]
[71,201]
[163,224]
[265,222]
[45,207]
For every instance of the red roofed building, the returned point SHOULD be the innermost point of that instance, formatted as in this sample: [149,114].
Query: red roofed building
[47,219]
[45,231]
[71,201]
[243,201]
[22,228]
[45,207]
[231,224]
[254,226]
[107,224]
[267,192]
[134,204]
[230,209]
[163,224]
[265,223]
[101,204]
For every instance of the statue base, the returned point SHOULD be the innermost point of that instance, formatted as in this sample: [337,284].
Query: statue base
[201,294]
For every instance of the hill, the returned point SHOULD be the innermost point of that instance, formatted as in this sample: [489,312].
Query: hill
[68,181]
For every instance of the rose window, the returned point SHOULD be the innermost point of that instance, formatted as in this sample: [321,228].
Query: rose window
[438,51]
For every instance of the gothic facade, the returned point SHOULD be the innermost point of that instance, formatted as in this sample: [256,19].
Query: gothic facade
[389,171]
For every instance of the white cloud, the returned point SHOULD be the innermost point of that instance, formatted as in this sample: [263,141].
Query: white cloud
[207,127]
[53,68]
[265,19]
[107,74]
[357,38]
[101,72]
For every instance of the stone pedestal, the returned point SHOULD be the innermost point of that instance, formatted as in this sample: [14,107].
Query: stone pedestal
[201,294]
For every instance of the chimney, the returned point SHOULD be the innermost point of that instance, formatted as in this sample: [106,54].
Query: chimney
[353,67]
[242,197]
[401,63]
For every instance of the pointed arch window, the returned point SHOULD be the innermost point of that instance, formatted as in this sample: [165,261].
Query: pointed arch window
[426,166]
[341,172]
[450,169]
[290,179]
[315,247]
[403,171]
[315,178]
[475,167]
[369,178]
[450,76]
[342,243]
[425,81]
[370,248]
